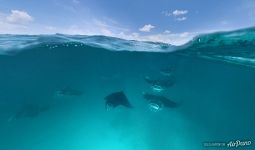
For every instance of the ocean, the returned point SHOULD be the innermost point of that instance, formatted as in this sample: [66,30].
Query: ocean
[54,88]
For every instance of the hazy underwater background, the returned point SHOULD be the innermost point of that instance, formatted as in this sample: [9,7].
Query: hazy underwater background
[53,89]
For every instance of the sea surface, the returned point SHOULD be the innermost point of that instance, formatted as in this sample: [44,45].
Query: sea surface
[53,91]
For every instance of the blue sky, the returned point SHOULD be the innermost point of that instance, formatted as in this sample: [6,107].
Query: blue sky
[172,21]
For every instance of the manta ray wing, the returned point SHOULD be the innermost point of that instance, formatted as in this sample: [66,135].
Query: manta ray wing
[118,98]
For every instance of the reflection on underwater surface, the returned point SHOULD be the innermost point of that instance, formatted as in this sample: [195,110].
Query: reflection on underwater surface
[215,100]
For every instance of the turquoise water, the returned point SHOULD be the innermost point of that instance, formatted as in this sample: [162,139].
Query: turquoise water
[53,88]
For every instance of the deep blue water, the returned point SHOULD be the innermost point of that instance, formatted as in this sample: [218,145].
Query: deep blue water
[53,89]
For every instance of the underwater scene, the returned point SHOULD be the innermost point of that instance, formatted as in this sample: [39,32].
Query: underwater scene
[63,92]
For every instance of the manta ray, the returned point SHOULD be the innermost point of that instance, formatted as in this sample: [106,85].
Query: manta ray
[157,102]
[116,99]
[159,85]
[68,91]
[168,72]
[29,111]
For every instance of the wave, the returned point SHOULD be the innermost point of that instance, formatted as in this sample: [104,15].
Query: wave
[237,47]
[233,46]
[14,43]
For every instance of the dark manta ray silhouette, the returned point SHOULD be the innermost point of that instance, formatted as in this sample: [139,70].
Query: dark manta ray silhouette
[157,102]
[165,83]
[29,111]
[116,99]
[67,91]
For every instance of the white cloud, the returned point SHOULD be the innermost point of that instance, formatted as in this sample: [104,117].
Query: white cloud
[16,22]
[167,31]
[19,17]
[167,13]
[179,12]
[181,18]
[178,15]
[147,28]
[136,35]
[102,26]
[171,38]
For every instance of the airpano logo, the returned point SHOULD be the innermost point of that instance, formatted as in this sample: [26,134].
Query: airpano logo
[239,143]
[230,144]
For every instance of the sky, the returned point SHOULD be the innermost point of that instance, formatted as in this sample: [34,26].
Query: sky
[170,21]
